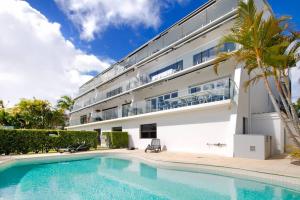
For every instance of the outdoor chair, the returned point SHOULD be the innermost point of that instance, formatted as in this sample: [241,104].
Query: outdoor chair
[154,146]
[68,149]
[82,147]
[174,104]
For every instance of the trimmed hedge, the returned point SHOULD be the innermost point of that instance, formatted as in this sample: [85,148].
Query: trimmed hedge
[117,139]
[31,140]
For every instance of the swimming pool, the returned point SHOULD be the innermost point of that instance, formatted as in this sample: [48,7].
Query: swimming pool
[107,177]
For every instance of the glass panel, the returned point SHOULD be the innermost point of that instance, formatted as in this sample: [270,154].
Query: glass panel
[125,110]
[111,113]
[153,104]
[218,90]
[208,86]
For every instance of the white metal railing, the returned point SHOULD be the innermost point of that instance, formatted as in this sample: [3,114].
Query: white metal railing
[218,90]
[206,16]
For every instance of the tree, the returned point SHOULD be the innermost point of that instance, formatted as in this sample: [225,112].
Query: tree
[65,103]
[263,43]
[36,114]
[297,107]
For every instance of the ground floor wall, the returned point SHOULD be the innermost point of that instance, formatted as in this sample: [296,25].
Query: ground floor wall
[270,124]
[205,130]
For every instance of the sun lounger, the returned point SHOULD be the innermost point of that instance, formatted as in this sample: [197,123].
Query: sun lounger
[154,146]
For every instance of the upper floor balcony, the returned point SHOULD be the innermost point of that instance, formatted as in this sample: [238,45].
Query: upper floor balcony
[140,80]
[200,19]
[219,90]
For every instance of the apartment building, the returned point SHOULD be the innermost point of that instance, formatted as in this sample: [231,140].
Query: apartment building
[167,89]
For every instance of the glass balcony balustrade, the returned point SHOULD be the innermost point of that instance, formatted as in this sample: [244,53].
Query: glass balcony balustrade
[181,30]
[218,90]
[140,80]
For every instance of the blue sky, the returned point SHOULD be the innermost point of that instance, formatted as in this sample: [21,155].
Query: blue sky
[117,42]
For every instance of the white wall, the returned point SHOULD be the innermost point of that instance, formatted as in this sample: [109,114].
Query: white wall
[252,146]
[187,130]
[270,124]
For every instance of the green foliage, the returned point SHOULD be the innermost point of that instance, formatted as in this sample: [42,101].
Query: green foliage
[263,43]
[117,139]
[65,103]
[25,140]
[32,114]
[295,153]
[297,107]
[6,119]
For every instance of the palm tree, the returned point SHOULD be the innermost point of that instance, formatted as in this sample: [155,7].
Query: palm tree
[262,45]
[65,103]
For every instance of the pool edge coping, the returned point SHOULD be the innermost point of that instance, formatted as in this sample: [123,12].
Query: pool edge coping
[281,180]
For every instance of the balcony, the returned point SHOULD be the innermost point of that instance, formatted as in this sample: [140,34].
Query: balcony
[218,90]
[188,26]
[141,80]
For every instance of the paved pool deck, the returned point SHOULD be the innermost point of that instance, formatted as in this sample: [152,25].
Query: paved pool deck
[276,169]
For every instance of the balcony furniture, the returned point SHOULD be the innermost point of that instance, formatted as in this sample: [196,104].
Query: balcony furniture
[167,105]
[182,103]
[174,104]
[195,100]
[154,146]
[97,119]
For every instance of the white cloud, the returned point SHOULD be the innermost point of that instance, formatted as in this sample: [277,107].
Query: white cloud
[94,16]
[35,59]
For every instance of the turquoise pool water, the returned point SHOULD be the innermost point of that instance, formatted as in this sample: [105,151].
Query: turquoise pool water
[108,178]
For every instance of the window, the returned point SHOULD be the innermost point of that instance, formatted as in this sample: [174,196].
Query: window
[197,59]
[114,92]
[166,70]
[174,95]
[204,56]
[210,53]
[194,89]
[119,128]
[148,131]
[229,47]
[83,119]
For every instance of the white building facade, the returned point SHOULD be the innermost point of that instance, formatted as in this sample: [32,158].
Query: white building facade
[168,89]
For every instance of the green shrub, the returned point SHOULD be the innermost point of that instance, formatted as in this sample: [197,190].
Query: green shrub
[26,140]
[117,139]
[295,153]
